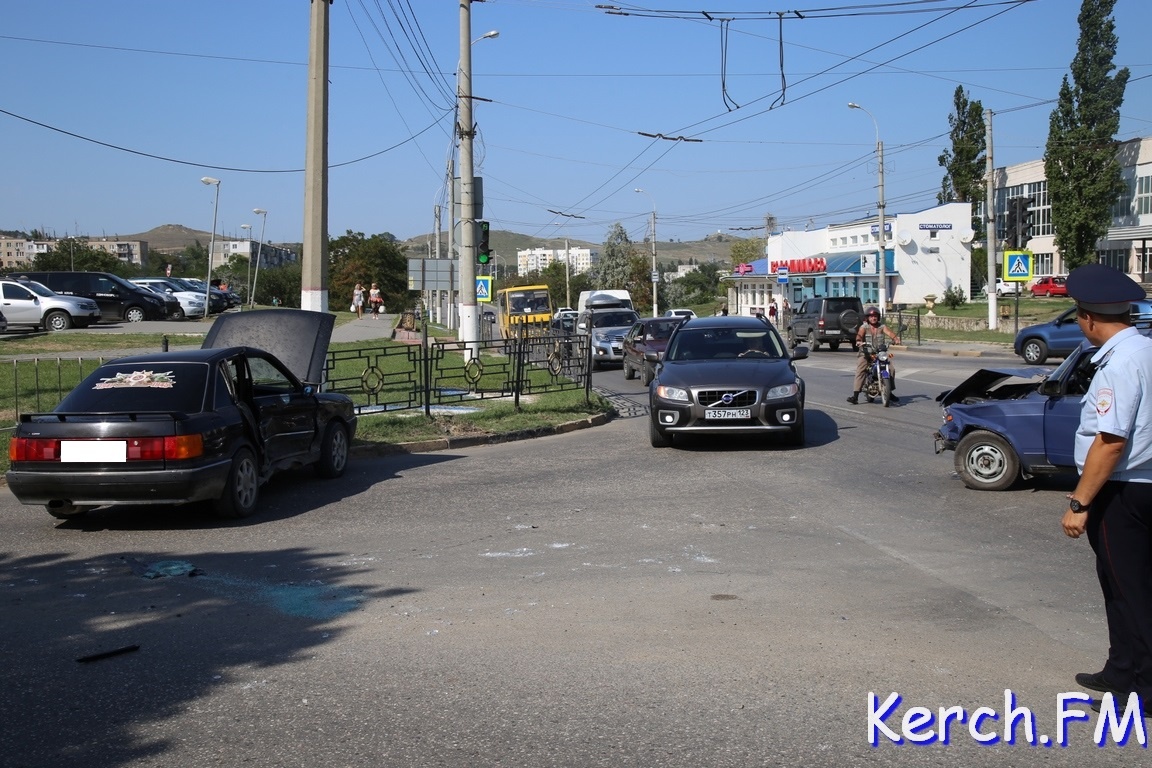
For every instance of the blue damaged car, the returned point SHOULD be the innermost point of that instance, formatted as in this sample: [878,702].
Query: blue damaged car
[1059,337]
[1008,423]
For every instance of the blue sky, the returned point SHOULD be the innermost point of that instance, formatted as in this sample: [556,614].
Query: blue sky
[113,111]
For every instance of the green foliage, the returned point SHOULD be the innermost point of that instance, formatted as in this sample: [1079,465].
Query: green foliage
[77,254]
[965,161]
[614,269]
[354,258]
[1080,162]
[979,273]
[284,283]
[954,297]
[747,251]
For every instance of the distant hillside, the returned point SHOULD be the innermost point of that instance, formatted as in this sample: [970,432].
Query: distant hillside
[170,237]
[713,248]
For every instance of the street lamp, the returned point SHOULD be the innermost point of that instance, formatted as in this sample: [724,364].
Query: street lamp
[259,250]
[248,236]
[212,241]
[881,264]
[487,36]
[655,284]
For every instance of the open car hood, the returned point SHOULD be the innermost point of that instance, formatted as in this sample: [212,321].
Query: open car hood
[298,338]
[979,383]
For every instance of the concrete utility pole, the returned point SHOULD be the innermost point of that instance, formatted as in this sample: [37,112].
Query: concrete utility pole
[469,332]
[990,221]
[314,260]
[882,261]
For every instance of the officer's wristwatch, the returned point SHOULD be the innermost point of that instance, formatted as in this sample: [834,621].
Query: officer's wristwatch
[1076,506]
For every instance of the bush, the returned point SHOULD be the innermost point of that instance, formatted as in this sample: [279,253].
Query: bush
[954,297]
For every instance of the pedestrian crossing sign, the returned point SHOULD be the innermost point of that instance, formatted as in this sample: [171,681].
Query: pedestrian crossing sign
[483,288]
[1018,266]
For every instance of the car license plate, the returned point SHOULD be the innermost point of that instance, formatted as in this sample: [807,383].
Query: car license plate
[727,413]
[93,450]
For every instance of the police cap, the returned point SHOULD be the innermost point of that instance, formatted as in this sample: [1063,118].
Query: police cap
[1098,288]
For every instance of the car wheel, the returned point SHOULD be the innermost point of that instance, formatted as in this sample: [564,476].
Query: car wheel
[178,314]
[1034,352]
[986,462]
[58,321]
[1048,294]
[134,314]
[658,437]
[629,371]
[333,451]
[647,374]
[242,487]
[793,342]
[833,345]
[813,344]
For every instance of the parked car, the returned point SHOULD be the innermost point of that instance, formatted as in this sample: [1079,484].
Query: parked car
[1004,287]
[564,321]
[117,298]
[28,303]
[684,313]
[191,303]
[217,301]
[1008,423]
[1059,337]
[644,346]
[607,328]
[3,323]
[212,424]
[1049,286]
[831,320]
[727,376]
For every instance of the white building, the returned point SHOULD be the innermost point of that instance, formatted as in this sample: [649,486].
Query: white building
[926,253]
[536,259]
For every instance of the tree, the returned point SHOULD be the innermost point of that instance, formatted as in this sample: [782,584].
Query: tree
[281,283]
[1080,159]
[965,161]
[378,259]
[72,254]
[614,269]
[747,251]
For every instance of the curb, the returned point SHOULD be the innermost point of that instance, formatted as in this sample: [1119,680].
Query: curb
[471,441]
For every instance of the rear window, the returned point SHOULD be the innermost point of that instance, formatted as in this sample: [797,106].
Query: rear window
[836,306]
[136,387]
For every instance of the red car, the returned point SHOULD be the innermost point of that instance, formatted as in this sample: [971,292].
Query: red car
[1049,286]
[644,346]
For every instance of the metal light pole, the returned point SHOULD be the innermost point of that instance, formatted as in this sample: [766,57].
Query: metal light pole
[212,241]
[881,264]
[655,282]
[248,237]
[259,250]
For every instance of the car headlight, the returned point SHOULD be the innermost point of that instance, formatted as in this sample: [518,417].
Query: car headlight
[600,336]
[672,393]
[782,391]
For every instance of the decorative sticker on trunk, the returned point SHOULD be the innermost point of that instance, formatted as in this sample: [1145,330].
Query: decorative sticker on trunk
[138,379]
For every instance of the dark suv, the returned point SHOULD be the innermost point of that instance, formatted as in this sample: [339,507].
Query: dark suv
[117,298]
[830,320]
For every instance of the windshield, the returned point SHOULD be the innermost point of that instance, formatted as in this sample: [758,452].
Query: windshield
[660,329]
[614,319]
[725,343]
[37,288]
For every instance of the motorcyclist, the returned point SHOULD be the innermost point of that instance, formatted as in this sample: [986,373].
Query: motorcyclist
[871,332]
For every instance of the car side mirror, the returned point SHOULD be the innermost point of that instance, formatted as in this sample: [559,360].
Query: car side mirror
[1050,388]
[800,353]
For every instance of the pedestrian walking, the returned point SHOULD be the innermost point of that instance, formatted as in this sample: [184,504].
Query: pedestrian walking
[1112,501]
[376,300]
[358,301]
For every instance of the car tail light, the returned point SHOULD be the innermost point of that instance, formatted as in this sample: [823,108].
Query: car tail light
[820,322]
[34,449]
[171,448]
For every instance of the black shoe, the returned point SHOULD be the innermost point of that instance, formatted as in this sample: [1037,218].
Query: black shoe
[853,400]
[893,398]
[1095,681]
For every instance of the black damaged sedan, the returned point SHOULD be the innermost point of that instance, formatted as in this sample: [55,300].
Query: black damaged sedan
[727,376]
[211,424]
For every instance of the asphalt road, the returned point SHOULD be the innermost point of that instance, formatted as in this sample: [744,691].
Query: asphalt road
[577,600]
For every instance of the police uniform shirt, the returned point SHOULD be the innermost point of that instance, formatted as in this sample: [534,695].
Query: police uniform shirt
[1119,402]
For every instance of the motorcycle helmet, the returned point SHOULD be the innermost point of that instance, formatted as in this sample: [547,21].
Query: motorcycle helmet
[871,312]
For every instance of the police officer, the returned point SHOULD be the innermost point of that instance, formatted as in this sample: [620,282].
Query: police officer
[1113,498]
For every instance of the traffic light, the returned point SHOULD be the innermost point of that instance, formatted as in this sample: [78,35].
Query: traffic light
[1012,226]
[1023,221]
[483,249]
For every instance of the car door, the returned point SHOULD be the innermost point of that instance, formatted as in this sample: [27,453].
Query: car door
[285,414]
[634,346]
[1065,334]
[20,305]
[1062,411]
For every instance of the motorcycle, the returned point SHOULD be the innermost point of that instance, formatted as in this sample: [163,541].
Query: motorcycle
[878,375]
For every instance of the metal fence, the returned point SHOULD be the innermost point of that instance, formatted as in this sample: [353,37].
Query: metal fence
[378,378]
